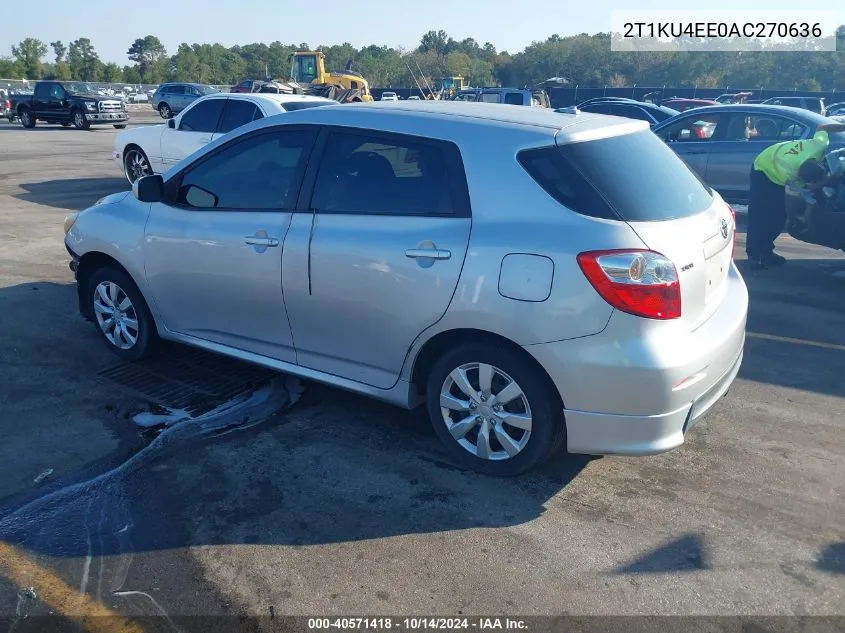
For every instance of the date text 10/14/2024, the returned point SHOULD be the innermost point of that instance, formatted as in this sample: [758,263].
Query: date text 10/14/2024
[417,624]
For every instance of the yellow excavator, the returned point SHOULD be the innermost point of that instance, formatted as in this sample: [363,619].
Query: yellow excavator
[308,76]
[450,86]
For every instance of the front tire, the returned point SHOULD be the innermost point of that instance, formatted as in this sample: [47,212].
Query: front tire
[27,118]
[165,111]
[496,412]
[135,164]
[78,119]
[121,315]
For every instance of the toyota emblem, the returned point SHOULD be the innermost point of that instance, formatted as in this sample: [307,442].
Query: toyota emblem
[723,226]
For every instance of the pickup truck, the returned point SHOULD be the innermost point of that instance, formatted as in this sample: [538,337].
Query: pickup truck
[68,103]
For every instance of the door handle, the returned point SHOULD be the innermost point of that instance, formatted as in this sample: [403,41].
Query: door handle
[261,241]
[428,253]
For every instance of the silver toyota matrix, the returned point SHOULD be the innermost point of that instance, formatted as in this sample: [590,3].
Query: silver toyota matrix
[536,279]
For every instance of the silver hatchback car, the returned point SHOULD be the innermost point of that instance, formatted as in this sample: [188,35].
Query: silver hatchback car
[536,279]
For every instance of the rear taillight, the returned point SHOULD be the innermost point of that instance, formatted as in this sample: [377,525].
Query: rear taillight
[639,282]
[733,229]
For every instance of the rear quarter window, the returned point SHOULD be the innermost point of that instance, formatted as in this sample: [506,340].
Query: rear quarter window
[633,177]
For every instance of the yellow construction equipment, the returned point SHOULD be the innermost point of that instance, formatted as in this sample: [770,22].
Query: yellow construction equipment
[450,86]
[308,69]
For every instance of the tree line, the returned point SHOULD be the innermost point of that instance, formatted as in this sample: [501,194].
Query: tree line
[584,60]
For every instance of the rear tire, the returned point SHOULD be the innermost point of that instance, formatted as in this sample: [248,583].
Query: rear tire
[121,315]
[522,431]
[79,121]
[27,118]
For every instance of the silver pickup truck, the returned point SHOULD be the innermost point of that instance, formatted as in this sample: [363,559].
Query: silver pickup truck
[509,96]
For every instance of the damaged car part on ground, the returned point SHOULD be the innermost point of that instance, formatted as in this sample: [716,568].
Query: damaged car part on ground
[570,315]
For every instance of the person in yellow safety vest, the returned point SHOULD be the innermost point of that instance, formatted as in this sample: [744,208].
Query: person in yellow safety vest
[773,169]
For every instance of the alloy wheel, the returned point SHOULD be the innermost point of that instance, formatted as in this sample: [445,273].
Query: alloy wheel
[136,165]
[116,316]
[485,411]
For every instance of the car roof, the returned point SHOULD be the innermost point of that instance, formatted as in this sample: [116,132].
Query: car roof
[443,119]
[265,96]
[806,116]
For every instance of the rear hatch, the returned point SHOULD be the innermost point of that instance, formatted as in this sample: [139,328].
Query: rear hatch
[642,182]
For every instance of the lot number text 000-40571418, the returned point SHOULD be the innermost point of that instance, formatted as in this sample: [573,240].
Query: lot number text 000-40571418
[416,623]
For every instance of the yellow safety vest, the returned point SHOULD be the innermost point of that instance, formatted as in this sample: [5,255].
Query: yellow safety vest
[781,161]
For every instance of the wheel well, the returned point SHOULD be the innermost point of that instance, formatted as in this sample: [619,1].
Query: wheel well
[88,265]
[439,344]
[133,146]
[22,107]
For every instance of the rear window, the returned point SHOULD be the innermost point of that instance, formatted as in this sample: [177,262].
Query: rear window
[633,177]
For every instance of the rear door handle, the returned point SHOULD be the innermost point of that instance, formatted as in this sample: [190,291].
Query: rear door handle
[261,241]
[428,253]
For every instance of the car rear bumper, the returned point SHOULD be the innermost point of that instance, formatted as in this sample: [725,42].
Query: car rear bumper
[638,387]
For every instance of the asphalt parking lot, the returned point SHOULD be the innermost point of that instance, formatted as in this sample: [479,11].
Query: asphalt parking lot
[338,505]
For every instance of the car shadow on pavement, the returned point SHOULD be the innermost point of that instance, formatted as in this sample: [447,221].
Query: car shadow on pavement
[335,467]
[72,193]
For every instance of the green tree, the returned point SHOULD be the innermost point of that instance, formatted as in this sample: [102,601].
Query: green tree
[435,41]
[112,73]
[9,68]
[59,50]
[150,56]
[28,53]
[83,60]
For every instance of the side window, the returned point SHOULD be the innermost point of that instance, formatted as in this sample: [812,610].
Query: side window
[489,97]
[513,98]
[43,90]
[764,127]
[246,84]
[203,117]
[693,128]
[58,92]
[176,90]
[632,112]
[261,172]
[385,175]
[237,112]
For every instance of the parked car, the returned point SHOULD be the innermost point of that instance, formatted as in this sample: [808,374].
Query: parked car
[813,104]
[154,149]
[575,287]
[682,105]
[506,96]
[630,109]
[68,103]
[836,109]
[734,98]
[248,86]
[170,99]
[413,98]
[720,143]
[389,96]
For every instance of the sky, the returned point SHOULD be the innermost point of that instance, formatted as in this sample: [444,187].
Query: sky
[510,25]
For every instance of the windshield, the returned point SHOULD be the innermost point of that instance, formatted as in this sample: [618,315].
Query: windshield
[304,69]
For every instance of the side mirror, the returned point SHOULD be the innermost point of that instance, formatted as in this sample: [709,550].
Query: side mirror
[149,188]
[171,123]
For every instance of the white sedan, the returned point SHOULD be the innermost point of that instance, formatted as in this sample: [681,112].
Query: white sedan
[156,148]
